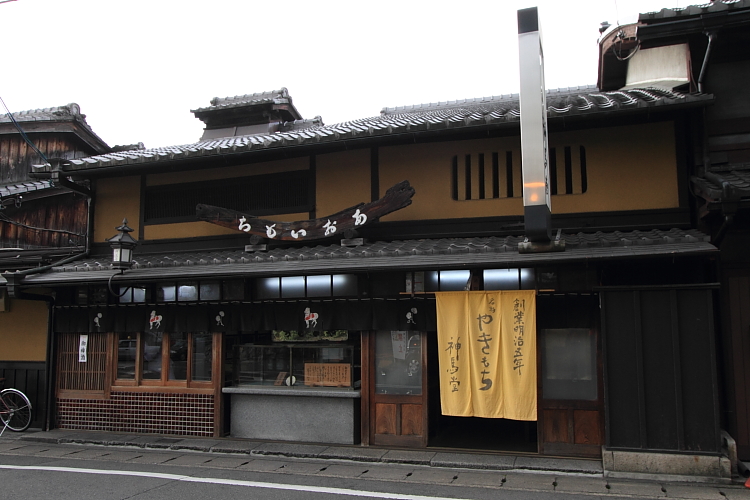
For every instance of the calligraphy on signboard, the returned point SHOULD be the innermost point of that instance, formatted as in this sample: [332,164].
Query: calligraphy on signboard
[352,218]
[487,356]
[328,374]
[519,326]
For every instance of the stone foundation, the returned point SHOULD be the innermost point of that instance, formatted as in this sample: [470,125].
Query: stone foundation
[683,466]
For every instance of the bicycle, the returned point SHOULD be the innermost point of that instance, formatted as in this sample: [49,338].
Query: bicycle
[15,410]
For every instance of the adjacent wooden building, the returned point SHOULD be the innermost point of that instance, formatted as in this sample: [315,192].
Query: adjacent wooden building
[706,46]
[41,222]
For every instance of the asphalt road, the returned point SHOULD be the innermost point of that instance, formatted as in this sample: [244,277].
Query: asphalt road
[67,471]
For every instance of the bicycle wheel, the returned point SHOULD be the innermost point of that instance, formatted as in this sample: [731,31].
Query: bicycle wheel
[17,415]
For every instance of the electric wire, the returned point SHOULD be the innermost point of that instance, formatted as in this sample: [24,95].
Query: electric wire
[23,134]
[5,218]
[617,51]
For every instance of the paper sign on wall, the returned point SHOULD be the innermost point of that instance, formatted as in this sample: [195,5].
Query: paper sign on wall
[83,343]
[398,339]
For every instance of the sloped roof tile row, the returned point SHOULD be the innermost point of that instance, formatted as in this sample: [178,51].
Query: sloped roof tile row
[67,113]
[24,187]
[273,96]
[393,121]
[694,10]
[392,249]
[724,185]
[53,114]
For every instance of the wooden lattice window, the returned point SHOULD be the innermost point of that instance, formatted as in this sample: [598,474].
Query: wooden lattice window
[498,174]
[76,375]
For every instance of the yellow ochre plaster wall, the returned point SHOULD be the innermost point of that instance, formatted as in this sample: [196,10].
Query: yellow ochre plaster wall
[23,331]
[628,168]
[428,169]
[116,198]
[341,181]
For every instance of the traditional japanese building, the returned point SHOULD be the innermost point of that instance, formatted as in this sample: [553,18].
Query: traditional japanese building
[42,221]
[292,281]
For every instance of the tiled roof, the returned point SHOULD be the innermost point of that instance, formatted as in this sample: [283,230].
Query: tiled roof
[394,255]
[693,10]
[57,113]
[24,187]
[724,185]
[67,113]
[509,99]
[280,96]
[302,124]
[451,115]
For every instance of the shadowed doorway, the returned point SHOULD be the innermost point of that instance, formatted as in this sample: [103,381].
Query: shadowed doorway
[473,433]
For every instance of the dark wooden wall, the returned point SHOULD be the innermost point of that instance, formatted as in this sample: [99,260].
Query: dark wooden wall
[16,157]
[660,370]
[728,121]
[735,342]
[29,377]
[65,212]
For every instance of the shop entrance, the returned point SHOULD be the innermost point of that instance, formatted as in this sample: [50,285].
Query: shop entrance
[474,433]
[569,392]
[397,383]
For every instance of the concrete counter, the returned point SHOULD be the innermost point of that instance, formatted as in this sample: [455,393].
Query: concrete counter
[314,414]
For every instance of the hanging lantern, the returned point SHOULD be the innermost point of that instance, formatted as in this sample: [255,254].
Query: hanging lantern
[122,247]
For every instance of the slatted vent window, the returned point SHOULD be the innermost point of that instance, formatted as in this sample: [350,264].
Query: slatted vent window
[498,175]
[74,375]
[288,192]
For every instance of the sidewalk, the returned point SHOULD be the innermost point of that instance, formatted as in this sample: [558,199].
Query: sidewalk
[529,473]
[440,458]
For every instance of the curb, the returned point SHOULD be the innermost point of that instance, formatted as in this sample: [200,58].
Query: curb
[436,459]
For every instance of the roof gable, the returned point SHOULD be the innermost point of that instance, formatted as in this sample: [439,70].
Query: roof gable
[66,118]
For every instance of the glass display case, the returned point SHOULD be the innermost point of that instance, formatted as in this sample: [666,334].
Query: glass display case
[298,365]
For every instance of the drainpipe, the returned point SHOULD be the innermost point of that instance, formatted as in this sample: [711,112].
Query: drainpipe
[729,200]
[711,36]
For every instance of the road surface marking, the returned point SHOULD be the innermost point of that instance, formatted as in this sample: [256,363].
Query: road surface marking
[232,482]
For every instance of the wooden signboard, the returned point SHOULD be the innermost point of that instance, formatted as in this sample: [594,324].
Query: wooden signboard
[328,374]
[396,198]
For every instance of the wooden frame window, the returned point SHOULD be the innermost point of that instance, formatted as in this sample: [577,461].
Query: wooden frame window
[76,376]
[166,359]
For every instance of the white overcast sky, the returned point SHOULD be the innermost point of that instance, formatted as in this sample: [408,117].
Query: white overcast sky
[138,67]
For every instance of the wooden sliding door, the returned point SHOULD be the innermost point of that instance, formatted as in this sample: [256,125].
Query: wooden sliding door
[397,389]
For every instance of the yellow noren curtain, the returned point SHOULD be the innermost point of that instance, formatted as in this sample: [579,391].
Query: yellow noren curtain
[487,353]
